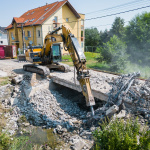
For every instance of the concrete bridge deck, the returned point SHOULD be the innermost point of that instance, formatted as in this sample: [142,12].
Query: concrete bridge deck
[101,83]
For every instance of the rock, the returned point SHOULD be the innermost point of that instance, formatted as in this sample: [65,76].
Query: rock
[14,101]
[17,79]
[86,133]
[31,90]
[112,110]
[77,143]
[59,127]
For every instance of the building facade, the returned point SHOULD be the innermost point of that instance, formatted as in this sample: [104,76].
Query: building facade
[34,25]
[3,36]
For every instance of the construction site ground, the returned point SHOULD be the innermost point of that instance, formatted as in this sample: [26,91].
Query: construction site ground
[57,103]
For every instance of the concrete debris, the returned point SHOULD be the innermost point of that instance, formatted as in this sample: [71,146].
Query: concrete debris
[112,110]
[17,79]
[128,95]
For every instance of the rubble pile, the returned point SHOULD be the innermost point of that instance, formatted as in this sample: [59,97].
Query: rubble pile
[128,95]
[45,108]
[48,108]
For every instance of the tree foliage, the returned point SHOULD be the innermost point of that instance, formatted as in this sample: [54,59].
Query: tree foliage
[138,37]
[118,27]
[91,37]
[114,53]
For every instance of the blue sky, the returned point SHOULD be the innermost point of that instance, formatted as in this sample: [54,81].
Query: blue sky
[91,9]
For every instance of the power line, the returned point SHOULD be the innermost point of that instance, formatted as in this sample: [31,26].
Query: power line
[126,4]
[117,13]
[120,6]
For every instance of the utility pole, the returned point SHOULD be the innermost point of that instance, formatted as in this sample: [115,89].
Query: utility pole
[22,36]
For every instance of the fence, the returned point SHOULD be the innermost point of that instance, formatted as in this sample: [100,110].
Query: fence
[90,49]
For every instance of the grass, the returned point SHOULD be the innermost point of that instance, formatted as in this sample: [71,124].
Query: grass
[4,81]
[2,118]
[92,63]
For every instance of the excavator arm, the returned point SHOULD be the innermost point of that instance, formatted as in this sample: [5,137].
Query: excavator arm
[71,44]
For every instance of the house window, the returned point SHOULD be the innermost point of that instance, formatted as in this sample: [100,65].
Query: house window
[29,33]
[26,20]
[12,34]
[81,33]
[0,34]
[31,20]
[82,44]
[55,19]
[82,22]
[39,33]
[32,12]
[1,42]
[67,19]
[28,14]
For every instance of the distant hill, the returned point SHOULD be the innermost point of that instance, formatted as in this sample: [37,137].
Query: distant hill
[3,29]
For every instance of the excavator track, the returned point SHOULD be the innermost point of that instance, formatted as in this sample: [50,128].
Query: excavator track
[42,70]
[64,67]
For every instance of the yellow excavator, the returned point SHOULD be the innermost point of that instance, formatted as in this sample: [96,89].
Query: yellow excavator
[48,57]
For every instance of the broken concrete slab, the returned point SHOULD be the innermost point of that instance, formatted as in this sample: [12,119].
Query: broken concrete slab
[14,101]
[17,79]
[31,90]
[100,82]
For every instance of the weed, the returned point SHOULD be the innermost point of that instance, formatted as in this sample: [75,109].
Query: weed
[121,135]
[4,81]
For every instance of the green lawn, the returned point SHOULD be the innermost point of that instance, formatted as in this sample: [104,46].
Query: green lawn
[92,63]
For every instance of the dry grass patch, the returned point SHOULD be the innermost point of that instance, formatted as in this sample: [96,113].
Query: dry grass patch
[4,81]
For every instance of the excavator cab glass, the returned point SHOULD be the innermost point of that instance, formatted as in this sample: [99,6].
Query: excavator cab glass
[56,52]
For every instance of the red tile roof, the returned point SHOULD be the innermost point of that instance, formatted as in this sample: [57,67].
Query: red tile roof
[39,15]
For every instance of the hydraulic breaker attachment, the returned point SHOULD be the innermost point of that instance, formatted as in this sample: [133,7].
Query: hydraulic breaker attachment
[86,90]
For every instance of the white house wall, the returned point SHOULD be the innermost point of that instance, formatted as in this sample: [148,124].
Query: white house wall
[3,39]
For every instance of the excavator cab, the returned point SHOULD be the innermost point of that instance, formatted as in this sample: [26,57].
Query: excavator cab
[56,52]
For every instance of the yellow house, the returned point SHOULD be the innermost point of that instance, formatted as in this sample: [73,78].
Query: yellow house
[33,25]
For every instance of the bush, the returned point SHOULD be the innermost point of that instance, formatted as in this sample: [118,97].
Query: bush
[114,53]
[4,141]
[120,135]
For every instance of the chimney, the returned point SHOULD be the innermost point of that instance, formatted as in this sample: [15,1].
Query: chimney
[46,3]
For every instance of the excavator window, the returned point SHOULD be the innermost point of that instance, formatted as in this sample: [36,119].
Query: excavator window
[56,53]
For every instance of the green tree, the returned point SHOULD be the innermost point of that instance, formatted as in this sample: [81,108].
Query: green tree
[104,37]
[138,38]
[118,27]
[91,37]
[114,53]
